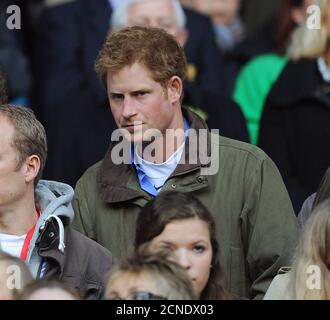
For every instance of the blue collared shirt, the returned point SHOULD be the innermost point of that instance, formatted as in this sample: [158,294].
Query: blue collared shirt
[144,181]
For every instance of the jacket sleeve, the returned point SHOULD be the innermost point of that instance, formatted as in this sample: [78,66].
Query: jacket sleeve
[269,227]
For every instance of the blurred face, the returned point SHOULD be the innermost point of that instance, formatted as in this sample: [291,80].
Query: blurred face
[158,14]
[12,180]
[299,13]
[126,285]
[192,249]
[138,103]
[51,294]
[226,9]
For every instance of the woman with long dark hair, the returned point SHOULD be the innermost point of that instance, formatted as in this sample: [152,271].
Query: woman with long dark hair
[181,223]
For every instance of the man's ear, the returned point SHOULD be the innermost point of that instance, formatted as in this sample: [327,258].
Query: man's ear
[31,168]
[174,89]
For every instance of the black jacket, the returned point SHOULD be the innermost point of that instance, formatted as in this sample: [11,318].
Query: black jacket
[295,128]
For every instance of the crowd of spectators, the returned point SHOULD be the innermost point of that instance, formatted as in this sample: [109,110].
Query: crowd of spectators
[233,200]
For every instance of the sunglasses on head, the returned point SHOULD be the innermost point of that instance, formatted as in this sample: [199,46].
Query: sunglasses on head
[141,295]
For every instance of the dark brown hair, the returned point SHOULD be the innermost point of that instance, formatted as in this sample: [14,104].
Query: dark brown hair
[154,48]
[170,206]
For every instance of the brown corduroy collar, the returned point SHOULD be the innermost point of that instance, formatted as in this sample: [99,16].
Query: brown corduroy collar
[113,179]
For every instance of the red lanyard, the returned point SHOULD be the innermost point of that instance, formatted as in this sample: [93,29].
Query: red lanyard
[27,241]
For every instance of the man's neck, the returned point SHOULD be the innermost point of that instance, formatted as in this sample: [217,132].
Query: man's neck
[168,142]
[18,219]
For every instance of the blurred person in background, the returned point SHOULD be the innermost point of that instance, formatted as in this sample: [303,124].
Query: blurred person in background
[294,128]
[227,23]
[258,15]
[236,47]
[257,77]
[309,276]
[71,102]
[13,59]
[18,47]
[229,33]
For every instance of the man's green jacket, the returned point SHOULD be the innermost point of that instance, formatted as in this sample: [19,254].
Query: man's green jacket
[256,225]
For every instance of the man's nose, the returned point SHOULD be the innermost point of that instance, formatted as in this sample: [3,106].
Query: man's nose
[129,108]
[183,259]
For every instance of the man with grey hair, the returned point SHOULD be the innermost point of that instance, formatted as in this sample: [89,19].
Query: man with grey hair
[165,14]
[35,215]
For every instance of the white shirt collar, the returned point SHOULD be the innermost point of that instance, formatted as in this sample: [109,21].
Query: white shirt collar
[159,172]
